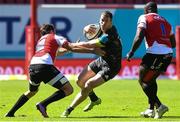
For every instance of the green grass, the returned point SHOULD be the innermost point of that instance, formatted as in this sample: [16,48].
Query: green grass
[122,100]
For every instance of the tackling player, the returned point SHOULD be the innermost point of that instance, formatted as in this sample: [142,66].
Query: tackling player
[159,43]
[102,69]
[42,69]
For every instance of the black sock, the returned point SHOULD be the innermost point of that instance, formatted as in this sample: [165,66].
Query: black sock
[21,101]
[70,109]
[151,91]
[54,97]
[158,102]
[154,92]
[93,97]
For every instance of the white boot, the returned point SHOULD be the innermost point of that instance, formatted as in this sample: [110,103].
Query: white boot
[160,111]
[148,113]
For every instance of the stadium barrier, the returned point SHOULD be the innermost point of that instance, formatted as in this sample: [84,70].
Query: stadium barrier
[11,69]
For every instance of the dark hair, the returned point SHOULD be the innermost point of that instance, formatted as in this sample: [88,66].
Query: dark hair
[107,14]
[151,7]
[46,29]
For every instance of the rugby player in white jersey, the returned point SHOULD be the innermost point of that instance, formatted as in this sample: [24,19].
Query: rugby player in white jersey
[42,69]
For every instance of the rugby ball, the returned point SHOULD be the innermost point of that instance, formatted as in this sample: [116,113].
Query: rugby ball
[97,31]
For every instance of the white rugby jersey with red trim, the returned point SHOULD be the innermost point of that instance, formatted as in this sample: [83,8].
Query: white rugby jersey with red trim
[157,33]
[46,49]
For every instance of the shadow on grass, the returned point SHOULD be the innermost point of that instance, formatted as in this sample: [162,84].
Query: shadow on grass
[96,117]
[113,117]
[172,117]
[103,117]
[89,117]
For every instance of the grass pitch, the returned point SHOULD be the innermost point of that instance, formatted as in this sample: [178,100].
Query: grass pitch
[122,100]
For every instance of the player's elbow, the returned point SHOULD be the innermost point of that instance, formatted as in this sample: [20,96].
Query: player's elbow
[140,35]
[173,41]
[138,40]
[173,45]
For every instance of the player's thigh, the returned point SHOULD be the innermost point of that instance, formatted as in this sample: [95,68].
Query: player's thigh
[54,77]
[94,82]
[156,61]
[149,70]
[85,75]
[107,72]
[147,75]
[142,71]
[67,88]
[59,81]
[91,70]
[35,74]
[62,83]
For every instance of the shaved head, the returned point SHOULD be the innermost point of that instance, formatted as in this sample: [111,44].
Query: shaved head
[150,7]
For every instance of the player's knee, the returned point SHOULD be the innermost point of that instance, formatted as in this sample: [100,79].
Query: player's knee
[143,80]
[144,85]
[89,86]
[80,83]
[68,90]
[30,94]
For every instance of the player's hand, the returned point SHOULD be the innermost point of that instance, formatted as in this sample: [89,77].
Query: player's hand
[129,55]
[61,51]
[99,51]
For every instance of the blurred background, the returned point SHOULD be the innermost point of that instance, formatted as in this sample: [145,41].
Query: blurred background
[69,18]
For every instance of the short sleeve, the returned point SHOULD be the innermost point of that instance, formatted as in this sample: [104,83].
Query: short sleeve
[171,32]
[103,39]
[141,22]
[61,40]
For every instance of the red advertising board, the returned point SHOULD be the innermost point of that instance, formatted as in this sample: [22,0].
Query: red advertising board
[74,66]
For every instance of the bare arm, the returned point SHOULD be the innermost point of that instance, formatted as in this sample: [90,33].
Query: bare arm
[82,47]
[173,41]
[140,33]
[95,43]
[61,51]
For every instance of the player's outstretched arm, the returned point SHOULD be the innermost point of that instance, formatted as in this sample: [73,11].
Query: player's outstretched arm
[82,47]
[95,43]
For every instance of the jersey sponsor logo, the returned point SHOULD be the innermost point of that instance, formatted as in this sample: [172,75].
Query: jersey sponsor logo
[159,18]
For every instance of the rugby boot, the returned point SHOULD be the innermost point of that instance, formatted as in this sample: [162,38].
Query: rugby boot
[91,105]
[148,113]
[42,110]
[160,111]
